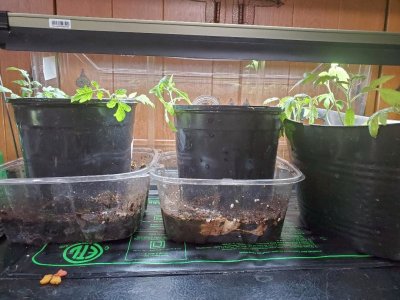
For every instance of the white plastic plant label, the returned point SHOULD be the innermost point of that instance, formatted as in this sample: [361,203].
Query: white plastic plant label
[60,23]
[49,67]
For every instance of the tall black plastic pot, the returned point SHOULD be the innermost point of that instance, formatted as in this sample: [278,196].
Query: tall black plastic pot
[352,184]
[238,142]
[63,139]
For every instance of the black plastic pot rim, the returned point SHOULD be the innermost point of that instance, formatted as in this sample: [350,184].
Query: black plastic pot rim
[226,108]
[154,172]
[60,101]
[390,123]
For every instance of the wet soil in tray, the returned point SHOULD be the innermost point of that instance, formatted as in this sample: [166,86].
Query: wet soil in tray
[213,219]
[91,211]
[98,220]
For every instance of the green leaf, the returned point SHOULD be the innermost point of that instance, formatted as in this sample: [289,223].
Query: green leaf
[95,84]
[144,100]
[307,78]
[3,89]
[349,117]
[36,84]
[100,95]
[382,118]
[120,92]
[170,109]
[271,100]
[376,83]
[373,126]
[83,95]
[340,104]
[323,79]
[26,92]
[111,103]
[24,73]
[342,77]
[132,95]
[391,97]
[14,96]
[120,113]
[327,103]
[51,92]
[21,82]
[125,106]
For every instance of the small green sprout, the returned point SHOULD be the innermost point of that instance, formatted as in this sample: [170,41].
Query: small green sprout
[174,95]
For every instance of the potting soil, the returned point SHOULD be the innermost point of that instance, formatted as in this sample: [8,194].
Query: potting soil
[148,252]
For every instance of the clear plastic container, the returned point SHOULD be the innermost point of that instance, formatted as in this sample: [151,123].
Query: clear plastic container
[79,208]
[225,210]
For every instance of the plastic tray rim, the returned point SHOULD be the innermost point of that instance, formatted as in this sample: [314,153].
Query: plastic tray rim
[76,179]
[299,176]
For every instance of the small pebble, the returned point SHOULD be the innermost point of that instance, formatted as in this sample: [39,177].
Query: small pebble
[232,205]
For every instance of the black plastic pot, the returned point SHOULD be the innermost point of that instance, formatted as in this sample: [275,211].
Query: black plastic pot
[352,184]
[238,142]
[63,139]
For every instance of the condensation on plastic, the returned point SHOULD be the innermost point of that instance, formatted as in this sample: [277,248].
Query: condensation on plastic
[223,210]
[79,208]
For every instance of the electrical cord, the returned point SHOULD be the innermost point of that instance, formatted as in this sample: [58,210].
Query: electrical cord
[5,107]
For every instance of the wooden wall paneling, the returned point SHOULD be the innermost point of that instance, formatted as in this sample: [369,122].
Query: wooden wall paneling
[192,76]
[28,6]
[226,81]
[393,25]
[252,5]
[364,15]
[226,73]
[85,67]
[138,9]
[227,12]
[139,72]
[275,75]
[311,14]
[185,10]
[212,10]
[271,81]
[17,59]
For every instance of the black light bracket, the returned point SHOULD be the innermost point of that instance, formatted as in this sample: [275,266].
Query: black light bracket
[49,33]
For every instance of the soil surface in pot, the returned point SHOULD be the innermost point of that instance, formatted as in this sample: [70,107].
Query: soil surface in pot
[210,219]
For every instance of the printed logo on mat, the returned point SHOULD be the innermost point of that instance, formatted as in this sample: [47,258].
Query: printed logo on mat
[82,253]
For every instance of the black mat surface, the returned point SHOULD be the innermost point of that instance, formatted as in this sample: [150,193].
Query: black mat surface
[149,253]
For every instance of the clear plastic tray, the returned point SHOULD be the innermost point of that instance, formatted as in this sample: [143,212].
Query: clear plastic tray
[80,208]
[225,210]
